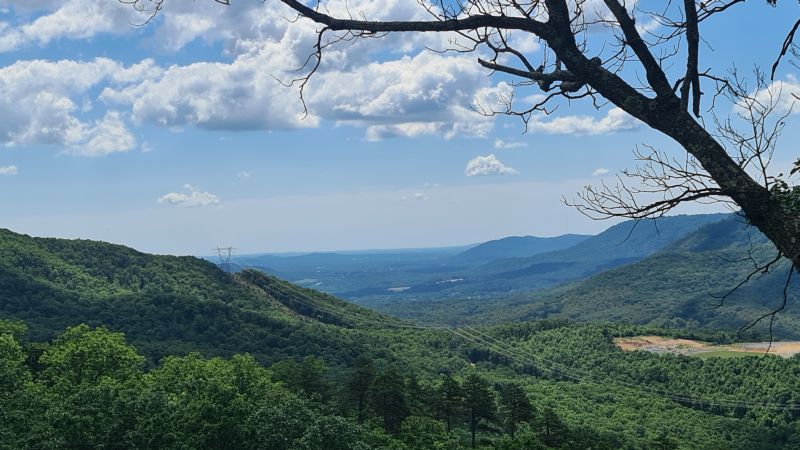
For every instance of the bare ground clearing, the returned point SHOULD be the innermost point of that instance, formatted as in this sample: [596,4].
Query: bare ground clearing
[660,344]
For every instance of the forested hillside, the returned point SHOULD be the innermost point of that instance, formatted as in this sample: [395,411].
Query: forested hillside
[313,372]
[166,305]
[683,286]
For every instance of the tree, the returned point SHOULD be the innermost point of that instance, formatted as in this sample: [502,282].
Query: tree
[82,355]
[91,374]
[208,403]
[358,387]
[14,379]
[515,407]
[479,402]
[552,428]
[449,401]
[419,432]
[389,399]
[307,376]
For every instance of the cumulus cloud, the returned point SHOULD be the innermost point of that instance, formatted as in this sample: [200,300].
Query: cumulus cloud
[244,175]
[191,197]
[237,96]
[600,172]
[8,170]
[500,144]
[487,165]
[428,94]
[420,93]
[71,19]
[615,120]
[40,105]
[107,135]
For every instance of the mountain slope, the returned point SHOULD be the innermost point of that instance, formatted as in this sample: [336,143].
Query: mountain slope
[622,243]
[681,286]
[166,305]
[518,247]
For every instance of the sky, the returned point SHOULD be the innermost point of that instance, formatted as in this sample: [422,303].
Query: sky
[180,135]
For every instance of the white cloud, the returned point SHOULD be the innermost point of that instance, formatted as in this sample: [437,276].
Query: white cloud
[421,95]
[781,93]
[428,94]
[526,43]
[487,165]
[72,19]
[237,96]
[615,120]
[9,170]
[105,136]
[500,144]
[600,172]
[244,175]
[190,198]
[40,105]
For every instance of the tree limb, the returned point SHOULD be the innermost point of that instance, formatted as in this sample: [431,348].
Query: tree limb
[468,23]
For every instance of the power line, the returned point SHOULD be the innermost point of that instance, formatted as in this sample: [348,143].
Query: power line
[480,338]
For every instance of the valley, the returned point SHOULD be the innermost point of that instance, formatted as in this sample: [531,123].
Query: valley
[668,273]
[184,319]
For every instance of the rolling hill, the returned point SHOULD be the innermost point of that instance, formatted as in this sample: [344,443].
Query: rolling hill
[177,306]
[166,305]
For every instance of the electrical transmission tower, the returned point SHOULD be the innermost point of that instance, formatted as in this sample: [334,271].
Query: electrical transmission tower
[225,254]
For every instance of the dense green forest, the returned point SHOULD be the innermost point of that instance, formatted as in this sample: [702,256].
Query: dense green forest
[212,360]
[88,388]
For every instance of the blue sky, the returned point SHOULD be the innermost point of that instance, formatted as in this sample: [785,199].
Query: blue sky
[175,137]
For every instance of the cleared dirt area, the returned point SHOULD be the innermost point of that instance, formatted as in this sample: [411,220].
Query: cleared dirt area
[660,344]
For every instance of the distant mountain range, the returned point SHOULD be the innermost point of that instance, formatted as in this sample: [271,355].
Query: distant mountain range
[518,247]
[495,268]
[677,286]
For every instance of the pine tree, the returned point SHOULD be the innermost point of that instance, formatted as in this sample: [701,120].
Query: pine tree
[389,399]
[479,402]
[449,401]
[515,407]
[358,387]
[552,428]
